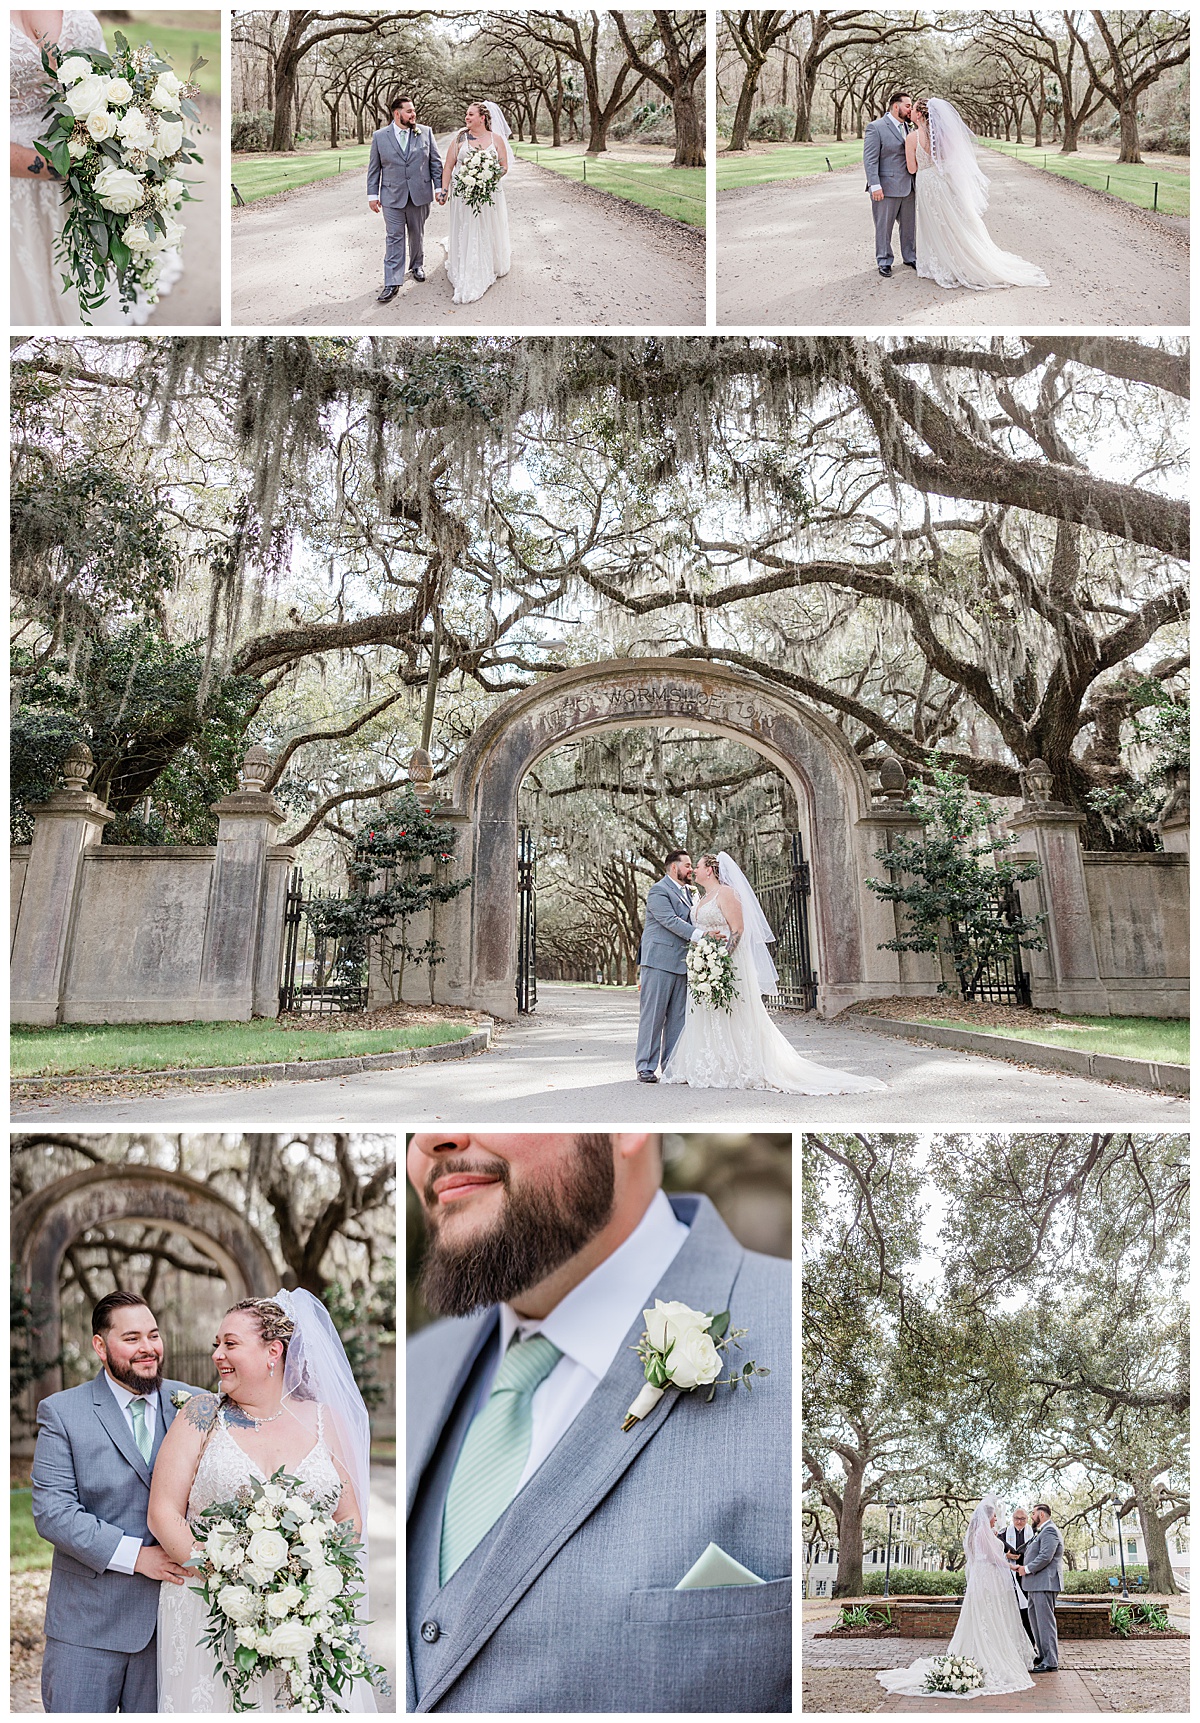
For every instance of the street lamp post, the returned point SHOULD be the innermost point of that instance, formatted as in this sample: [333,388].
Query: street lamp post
[887,1571]
[1116,1502]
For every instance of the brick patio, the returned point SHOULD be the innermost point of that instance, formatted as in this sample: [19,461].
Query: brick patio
[1065,1690]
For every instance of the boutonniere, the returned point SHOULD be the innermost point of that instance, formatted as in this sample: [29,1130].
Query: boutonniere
[681,1348]
[179,1399]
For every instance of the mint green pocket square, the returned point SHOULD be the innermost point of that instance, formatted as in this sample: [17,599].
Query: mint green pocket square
[715,1568]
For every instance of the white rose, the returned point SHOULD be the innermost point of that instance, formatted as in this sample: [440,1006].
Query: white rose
[86,96]
[238,1603]
[326,1582]
[135,130]
[170,142]
[273,1494]
[268,1550]
[174,236]
[285,1601]
[263,1643]
[255,1522]
[118,189]
[694,1359]
[248,1636]
[226,1526]
[297,1505]
[291,1639]
[165,94]
[257,1575]
[76,148]
[312,1534]
[100,124]
[141,241]
[119,92]
[73,68]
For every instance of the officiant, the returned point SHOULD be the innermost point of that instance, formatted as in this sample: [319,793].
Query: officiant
[1014,1537]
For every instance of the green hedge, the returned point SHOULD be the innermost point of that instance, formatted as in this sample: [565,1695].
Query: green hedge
[914,1580]
[1097,1578]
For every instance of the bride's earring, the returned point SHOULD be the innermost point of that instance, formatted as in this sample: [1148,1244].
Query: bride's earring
[271,1368]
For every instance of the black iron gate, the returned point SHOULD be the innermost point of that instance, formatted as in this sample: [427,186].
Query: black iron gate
[997,977]
[526,921]
[320,973]
[783,889]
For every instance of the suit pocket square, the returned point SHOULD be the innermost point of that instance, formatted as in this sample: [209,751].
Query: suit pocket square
[715,1569]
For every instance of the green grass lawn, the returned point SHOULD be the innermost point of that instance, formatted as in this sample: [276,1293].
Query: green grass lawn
[262,176]
[677,192]
[786,161]
[82,1049]
[1162,1039]
[1132,184]
[27,1550]
[179,40]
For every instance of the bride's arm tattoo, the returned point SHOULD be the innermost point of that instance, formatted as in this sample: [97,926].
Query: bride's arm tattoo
[735,939]
[200,1410]
[40,165]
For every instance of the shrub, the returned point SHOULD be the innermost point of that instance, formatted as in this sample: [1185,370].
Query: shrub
[1097,1579]
[249,131]
[918,1582]
[773,125]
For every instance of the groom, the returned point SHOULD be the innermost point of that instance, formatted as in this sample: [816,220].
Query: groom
[404,175]
[662,975]
[892,187]
[96,1448]
[1043,1576]
[558,1562]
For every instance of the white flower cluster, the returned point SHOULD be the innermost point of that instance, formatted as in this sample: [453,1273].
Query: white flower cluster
[953,1675]
[476,179]
[710,972]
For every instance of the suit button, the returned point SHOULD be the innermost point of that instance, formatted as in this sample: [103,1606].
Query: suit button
[430,1632]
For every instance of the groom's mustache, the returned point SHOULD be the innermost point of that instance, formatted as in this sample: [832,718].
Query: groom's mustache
[490,1168]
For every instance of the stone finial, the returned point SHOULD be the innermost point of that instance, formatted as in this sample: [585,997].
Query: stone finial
[256,769]
[1038,781]
[77,767]
[893,780]
[420,770]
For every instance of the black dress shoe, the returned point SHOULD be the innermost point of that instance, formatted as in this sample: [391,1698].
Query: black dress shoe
[909,265]
[388,294]
[418,273]
[885,269]
[1040,1668]
[647,1077]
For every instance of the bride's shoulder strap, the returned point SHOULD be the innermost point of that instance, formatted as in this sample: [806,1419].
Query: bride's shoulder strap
[320,1422]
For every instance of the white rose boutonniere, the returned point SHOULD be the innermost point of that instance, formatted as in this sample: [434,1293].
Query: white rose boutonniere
[681,1348]
[179,1400]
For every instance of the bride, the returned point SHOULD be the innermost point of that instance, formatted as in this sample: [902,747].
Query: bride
[287,1398]
[741,1048]
[954,247]
[989,1629]
[37,296]
[479,245]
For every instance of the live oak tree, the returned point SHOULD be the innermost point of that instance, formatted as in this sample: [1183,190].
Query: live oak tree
[1135,50]
[673,59]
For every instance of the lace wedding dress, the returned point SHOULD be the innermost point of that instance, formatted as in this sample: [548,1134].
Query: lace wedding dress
[187,1678]
[479,249]
[741,1048]
[954,247]
[36,201]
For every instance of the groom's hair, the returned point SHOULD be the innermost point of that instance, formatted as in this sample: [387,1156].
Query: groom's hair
[897,96]
[1043,1508]
[399,102]
[102,1313]
[673,856]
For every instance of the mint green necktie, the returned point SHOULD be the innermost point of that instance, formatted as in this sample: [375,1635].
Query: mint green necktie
[141,1430]
[494,1453]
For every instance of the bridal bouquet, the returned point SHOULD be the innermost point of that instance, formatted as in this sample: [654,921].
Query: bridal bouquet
[117,139]
[710,972]
[281,1579]
[953,1675]
[476,179]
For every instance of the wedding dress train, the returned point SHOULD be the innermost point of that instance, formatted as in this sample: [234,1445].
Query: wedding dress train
[479,248]
[954,247]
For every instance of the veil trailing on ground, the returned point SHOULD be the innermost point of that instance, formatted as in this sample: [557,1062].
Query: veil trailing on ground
[952,147]
[756,930]
[316,1368]
[500,126]
[980,1544]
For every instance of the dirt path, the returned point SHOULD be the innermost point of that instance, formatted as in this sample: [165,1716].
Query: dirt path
[801,252]
[195,300]
[315,256]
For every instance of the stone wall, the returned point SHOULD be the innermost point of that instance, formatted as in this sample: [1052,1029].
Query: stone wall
[1139,908]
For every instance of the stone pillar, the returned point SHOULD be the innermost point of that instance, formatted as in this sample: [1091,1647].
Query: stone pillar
[1176,834]
[280,861]
[914,973]
[1175,820]
[1068,976]
[234,931]
[71,821]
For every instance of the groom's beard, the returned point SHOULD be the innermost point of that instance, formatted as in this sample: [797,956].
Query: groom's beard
[131,1380]
[536,1233]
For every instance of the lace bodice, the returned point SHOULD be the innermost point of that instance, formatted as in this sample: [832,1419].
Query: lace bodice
[924,159]
[707,914]
[225,1466]
[468,147]
[27,80]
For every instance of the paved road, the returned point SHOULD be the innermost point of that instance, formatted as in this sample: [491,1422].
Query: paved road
[801,252]
[381,1635]
[315,257]
[572,1062]
[195,300]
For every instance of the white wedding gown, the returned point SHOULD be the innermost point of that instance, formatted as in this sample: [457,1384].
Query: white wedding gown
[187,1678]
[480,250]
[954,247]
[36,201]
[989,1632]
[741,1048]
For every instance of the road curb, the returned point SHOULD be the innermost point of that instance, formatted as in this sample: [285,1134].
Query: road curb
[291,1070]
[1103,1067]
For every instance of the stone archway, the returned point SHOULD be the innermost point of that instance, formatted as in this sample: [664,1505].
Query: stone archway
[44,1224]
[825,774]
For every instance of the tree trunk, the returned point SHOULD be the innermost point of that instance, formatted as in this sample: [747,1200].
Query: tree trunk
[1070,138]
[1130,141]
[1158,1559]
[805,90]
[849,1580]
[283,134]
[745,106]
[689,133]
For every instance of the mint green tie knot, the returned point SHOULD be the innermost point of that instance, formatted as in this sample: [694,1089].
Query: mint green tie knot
[141,1429]
[494,1453]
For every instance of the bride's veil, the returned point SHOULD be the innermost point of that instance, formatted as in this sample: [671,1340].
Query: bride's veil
[500,125]
[316,1368]
[756,930]
[952,146]
[980,1543]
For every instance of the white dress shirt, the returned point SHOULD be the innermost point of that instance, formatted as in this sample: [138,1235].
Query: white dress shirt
[126,1553]
[590,1324]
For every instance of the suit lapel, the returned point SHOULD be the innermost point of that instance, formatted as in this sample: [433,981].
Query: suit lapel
[595,1452]
[113,1419]
[464,1345]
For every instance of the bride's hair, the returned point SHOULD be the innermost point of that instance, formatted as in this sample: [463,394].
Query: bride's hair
[273,1322]
[714,864]
[485,112]
[921,106]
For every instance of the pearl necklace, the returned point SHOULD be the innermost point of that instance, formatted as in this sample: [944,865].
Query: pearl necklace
[258,1422]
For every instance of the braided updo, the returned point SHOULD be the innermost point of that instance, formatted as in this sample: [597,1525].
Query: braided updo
[714,864]
[273,1321]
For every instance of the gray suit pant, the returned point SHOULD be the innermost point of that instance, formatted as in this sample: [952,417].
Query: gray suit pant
[85,1678]
[401,224]
[661,1011]
[887,212]
[1045,1626]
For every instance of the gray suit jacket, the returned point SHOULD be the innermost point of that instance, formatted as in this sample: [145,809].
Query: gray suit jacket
[668,929]
[398,177]
[883,159]
[1043,1560]
[569,1603]
[91,1487]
